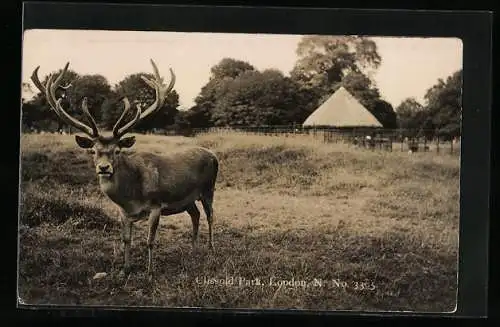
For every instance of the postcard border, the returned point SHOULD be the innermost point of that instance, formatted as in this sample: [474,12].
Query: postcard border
[473,28]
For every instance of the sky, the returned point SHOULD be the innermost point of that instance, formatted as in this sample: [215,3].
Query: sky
[409,65]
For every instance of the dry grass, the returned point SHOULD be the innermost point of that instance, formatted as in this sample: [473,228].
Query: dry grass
[286,208]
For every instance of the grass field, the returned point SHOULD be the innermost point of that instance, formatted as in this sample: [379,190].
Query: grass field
[367,230]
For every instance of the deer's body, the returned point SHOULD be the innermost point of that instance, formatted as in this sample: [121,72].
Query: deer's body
[143,185]
[173,181]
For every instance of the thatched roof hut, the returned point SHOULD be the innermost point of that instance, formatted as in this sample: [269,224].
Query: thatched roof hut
[342,110]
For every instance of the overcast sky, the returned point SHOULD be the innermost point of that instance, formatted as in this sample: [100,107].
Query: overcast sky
[409,65]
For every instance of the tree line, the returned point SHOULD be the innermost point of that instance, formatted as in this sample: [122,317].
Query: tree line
[442,113]
[238,94]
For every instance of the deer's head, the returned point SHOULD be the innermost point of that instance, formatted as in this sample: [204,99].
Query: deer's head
[105,149]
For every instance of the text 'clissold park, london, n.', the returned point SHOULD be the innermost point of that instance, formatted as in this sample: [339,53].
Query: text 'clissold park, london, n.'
[239,281]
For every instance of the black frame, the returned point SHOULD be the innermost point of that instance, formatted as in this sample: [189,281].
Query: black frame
[473,28]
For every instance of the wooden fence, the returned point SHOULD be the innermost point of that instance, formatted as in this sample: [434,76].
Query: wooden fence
[381,139]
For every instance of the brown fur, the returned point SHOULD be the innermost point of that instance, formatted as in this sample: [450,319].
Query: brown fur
[150,179]
[146,185]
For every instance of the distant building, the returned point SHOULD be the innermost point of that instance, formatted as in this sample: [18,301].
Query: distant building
[341,110]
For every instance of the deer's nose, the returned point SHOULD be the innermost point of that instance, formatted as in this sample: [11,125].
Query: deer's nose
[104,167]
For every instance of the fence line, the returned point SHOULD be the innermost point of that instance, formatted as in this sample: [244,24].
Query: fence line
[372,138]
[382,139]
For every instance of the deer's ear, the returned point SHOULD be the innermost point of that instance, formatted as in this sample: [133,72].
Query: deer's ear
[126,142]
[84,142]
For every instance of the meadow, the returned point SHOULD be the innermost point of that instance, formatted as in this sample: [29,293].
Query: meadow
[348,228]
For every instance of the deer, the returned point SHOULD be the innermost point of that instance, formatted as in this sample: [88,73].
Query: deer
[142,185]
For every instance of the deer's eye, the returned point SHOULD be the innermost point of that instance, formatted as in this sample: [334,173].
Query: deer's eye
[117,151]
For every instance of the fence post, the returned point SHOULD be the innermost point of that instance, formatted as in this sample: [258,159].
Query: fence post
[437,144]
[451,146]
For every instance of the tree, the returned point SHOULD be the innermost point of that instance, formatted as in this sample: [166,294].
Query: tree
[30,114]
[409,114]
[37,113]
[229,67]
[259,98]
[385,114]
[361,87]
[111,109]
[95,88]
[182,123]
[444,105]
[328,62]
[200,115]
[139,93]
[325,60]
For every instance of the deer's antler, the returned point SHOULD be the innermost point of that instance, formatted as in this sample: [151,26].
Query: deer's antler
[49,91]
[130,124]
[161,92]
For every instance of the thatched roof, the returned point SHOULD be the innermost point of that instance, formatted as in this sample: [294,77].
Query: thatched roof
[342,110]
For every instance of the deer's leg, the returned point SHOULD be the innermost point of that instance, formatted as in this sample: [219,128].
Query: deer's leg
[193,211]
[126,238]
[207,201]
[154,219]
